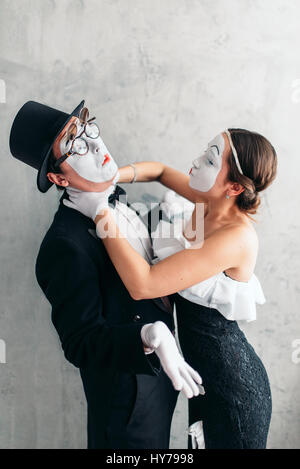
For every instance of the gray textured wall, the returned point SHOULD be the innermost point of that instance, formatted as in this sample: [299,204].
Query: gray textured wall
[163,77]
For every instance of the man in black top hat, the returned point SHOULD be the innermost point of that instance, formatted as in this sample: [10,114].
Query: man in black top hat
[130,398]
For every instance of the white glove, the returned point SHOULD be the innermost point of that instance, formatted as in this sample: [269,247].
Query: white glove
[174,205]
[158,337]
[89,204]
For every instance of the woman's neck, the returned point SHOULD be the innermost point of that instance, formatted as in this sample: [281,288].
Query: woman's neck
[222,211]
[208,217]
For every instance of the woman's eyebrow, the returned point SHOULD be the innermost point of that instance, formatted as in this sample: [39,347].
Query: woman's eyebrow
[216,148]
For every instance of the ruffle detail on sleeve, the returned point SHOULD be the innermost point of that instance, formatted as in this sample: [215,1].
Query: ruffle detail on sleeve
[237,300]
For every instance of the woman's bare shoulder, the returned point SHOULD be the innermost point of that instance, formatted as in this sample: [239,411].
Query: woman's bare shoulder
[246,237]
[238,236]
[244,231]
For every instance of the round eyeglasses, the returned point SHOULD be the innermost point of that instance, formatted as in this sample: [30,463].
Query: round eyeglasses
[75,143]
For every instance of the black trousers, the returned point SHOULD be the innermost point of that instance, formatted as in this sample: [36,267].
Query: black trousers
[141,412]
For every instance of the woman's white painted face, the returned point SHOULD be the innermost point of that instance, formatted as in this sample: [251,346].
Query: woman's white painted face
[206,168]
[97,165]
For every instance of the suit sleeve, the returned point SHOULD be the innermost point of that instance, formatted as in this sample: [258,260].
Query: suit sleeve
[70,280]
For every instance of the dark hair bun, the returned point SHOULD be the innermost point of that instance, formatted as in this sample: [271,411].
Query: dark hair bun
[249,201]
[258,160]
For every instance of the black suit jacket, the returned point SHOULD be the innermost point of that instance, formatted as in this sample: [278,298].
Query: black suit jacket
[97,321]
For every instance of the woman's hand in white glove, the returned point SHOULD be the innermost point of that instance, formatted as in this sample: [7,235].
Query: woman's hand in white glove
[89,204]
[158,337]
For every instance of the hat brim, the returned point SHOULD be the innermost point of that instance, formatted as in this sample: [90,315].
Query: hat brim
[43,182]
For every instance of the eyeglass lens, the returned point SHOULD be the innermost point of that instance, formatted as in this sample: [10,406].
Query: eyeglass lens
[77,144]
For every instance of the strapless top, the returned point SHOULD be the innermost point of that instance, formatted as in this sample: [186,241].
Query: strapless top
[233,299]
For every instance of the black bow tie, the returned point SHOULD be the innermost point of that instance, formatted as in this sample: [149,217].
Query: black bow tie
[116,196]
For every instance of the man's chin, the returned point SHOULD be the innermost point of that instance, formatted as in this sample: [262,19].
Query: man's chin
[100,186]
[82,184]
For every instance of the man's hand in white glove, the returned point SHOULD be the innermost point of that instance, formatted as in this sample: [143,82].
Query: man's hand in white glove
[90,204]
[157,336]
[174,205]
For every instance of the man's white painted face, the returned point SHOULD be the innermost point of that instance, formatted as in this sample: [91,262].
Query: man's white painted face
[97,165]
[206,168]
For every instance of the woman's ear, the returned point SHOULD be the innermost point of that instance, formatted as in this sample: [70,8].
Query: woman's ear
[58,179]
[236,189]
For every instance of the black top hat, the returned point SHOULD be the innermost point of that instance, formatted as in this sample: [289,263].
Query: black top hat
[33,132]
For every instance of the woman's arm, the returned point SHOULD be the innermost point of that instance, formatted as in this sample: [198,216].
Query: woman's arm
[146,171]
[225,249]
[155,171]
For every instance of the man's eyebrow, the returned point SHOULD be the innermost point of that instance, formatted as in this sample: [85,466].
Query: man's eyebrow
[216,148]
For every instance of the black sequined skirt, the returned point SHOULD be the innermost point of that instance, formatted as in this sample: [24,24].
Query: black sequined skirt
[236,409]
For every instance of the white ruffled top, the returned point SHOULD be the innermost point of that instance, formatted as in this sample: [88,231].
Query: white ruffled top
[233,299]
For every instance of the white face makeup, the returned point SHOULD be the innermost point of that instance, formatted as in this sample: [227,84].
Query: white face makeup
[206,168]
[97,165]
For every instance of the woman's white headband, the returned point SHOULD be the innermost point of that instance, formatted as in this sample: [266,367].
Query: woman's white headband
[234,151]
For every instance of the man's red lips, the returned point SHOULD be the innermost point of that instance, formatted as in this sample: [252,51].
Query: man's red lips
[106,159]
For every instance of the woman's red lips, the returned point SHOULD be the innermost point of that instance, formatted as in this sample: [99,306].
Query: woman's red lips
[106,159]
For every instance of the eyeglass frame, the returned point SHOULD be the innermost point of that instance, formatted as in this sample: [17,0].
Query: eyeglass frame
[66,155]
